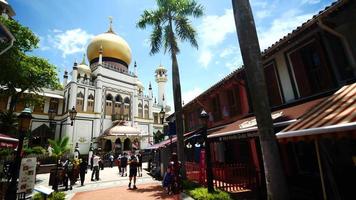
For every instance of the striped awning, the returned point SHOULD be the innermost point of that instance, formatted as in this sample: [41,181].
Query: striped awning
[336,114]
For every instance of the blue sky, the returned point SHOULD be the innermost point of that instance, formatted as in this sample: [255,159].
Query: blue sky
[65,27]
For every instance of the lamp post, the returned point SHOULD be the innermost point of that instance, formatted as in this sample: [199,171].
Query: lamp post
[24,124]
[209,172]
[162,114]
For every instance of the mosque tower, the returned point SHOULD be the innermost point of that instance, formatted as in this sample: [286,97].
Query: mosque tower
[161,79]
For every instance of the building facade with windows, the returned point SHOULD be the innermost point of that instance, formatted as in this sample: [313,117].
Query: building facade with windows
[106,94]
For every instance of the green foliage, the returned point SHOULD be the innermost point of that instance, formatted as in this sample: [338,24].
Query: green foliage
[8,123]
[37,150]
[170,22]
[203,194]
[60,146]
[21,71]
[57,196]
[6,152]
[37,196]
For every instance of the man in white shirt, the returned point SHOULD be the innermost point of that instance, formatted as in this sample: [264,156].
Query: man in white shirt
[95,171]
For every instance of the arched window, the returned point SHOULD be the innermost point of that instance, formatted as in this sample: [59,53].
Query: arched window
[118,103]
[140,114]
[146,112]
[90,107]
[80,102]
[127,105]
[108,105]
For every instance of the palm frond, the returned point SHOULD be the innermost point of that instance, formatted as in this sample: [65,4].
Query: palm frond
[185,31]
[156,39]
[190,8]
[170,40]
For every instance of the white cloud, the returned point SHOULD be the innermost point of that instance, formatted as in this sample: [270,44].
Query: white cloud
[213,31]
[191,94]
[70,41]
[229,51]
[205,58]
[310,1]
[234,63]
[281,26]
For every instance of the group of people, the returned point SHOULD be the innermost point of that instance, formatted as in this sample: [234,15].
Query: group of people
[70,176]
[124,160]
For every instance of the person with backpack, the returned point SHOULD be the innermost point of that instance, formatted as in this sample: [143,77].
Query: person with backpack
[133,162]
[123,164]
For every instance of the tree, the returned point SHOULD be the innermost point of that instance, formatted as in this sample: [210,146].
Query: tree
[8,123]
[20,72]
[158,137]
[59,147]
[251,55]
[170,23]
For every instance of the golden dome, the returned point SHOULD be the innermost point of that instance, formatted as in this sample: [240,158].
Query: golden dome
[113,46]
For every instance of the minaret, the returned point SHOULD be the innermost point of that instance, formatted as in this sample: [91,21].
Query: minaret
[75,72]
[135,69]
[6,9]
[65,78]
[150,93]
[161,79]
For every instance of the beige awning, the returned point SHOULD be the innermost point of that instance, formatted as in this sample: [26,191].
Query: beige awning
[120,130]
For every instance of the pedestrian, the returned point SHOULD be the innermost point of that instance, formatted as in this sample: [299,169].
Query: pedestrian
[123,163]
[118,163]
[167,180]
[175,167]
[133,162]
[82,170]
[95,171]
[68,174]
[139,167]
[111,159]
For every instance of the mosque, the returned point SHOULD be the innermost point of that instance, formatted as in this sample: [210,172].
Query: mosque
[113,110]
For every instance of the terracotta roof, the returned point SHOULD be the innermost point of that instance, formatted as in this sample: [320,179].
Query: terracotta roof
[280,117]
[327,10]
[335,113]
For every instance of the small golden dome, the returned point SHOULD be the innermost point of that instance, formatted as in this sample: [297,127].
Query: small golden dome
[160,68]
[113,46]
[83,67]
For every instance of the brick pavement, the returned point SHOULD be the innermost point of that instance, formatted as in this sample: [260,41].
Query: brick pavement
[151,191]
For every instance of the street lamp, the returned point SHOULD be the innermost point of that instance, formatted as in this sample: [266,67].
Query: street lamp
[24,124]
[52,115]
[209,172]
[162,114]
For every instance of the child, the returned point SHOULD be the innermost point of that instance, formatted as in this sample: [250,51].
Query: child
[167,180]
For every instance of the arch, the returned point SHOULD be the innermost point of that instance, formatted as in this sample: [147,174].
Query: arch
[91,97]
[135,144]
[108,146]
[146,113]
[127,144]
[140,111]
[85,77]
[90,106]
[108,104]
[109,97]
[80,95]
[127,100]
[118,98]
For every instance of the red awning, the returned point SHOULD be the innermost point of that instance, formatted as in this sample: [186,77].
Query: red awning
[7,141]
[282,117]
[335,114]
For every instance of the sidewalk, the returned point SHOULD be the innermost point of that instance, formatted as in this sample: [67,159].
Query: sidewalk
[150,191]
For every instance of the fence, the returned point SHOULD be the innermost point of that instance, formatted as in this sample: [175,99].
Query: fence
[226,177]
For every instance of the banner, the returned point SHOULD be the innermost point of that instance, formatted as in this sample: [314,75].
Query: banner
[27,175]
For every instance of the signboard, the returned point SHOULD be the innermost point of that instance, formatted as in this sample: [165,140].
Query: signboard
[27,175]
[252,122]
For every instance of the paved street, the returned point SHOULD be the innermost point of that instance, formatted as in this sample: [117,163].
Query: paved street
[109,178]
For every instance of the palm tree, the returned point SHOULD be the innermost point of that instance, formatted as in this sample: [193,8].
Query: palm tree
[60,147]
[251,55]
[170,23]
